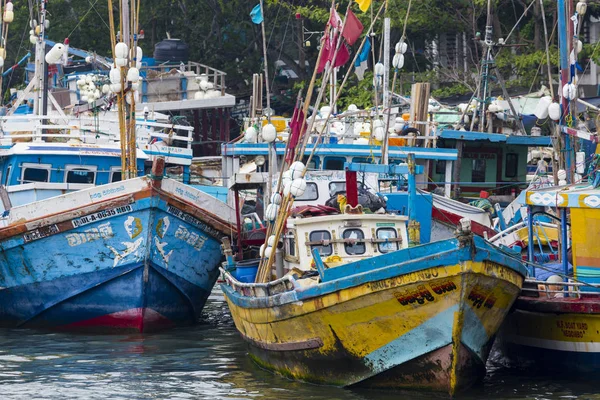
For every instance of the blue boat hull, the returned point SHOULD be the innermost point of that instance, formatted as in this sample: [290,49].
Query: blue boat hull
[143,266]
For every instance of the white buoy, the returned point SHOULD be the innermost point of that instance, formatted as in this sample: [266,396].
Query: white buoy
[133,75]
[401,47]
[562,182]
[251,135]
[115,75]
[271,241]
[298,187]
[554,111]
[287,187]
[379,69]
[120,62]
[569,91]
[105,89]
[199,95]
[121,50]
[352,108]
[561,174]
[398,61]
[580,162]
[268,133]
[55,53]
[203,85]
[276,198]
[263,247]
[541,110]
[297,170]
[271,212]
[379,133]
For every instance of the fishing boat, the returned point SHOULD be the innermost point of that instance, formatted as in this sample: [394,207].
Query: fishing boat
[556,320]
[362,305]
[93,241]
[557,316]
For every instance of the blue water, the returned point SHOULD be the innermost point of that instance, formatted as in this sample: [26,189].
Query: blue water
[207,361]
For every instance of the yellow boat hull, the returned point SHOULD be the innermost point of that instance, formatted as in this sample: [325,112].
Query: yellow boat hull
[430,329]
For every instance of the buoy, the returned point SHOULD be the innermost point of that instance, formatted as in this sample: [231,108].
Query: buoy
[121,50]
[115,75]
[398,61]
[115,87]
[562,182]
[297,170]
[580,162]
[133,75]
[9,15]
[581,7]
[569,91]
[379,133]
[262,249]
[271,212]
[120,62]
[105,89]
[203,85]
[287,188]
[271,241]
[276,198]
[401,47]
[268,252]
[561,174]
[298,187]
[554,111]
[352,108]
[268,133]
[379,69]
[579,46]
[199,95]
[250,135]
[54,55]
[541,110]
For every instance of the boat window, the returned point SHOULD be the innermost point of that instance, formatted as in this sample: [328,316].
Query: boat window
[335,187]
[387,233]
[440,167]
[35,173]
[82,175]
[512,165]
[311,192]
[317,236]
[115,174]
[291,244]
[6,178]
[478,173]
[313,164]
[357,247]
[362,160]
[334,163]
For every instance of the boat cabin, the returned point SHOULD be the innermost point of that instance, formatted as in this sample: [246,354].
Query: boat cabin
[38,170]
[341,238]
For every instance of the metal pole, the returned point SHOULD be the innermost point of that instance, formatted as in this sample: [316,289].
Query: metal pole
[386,61]
[530,241]
[414,234]
[564,76]
[564,240]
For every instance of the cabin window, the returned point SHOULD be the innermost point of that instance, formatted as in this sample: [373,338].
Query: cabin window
[311,192]
[6,178]
[115,174]
[313,164]
[478,172]
[334,163]
[440,167]
[362,160]
[318,236]
[358,247]
[512,165]
[387,233]
[291,244]
[35,173]
[80,174]
[335,187]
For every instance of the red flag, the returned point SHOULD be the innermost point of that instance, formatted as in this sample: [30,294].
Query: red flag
[342,56]
[334,19]
[296,132]
[326,55]
[352,29]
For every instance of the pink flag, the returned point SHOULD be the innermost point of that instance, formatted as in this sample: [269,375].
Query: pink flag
[352,29]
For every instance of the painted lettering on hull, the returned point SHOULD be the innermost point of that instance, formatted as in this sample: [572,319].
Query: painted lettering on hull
[40,233]
[100,215]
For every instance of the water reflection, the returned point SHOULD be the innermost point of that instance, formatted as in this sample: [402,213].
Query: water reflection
[207,361]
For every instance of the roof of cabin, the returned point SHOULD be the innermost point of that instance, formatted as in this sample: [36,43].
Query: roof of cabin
[80,149]
[522,140]
[574,196]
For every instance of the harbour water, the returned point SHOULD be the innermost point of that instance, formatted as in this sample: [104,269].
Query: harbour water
[207,361]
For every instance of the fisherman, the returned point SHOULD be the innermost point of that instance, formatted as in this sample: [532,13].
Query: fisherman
[484,203]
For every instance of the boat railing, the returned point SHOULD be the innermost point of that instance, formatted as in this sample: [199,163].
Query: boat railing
[162,71]
[80,128]
[284,284]
[566,289]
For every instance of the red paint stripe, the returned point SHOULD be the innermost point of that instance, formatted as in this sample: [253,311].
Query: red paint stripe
[134,319]
[446,217]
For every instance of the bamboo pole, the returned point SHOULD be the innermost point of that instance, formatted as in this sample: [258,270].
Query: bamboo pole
[265,267]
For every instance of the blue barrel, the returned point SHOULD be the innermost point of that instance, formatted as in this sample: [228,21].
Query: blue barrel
[245,271]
